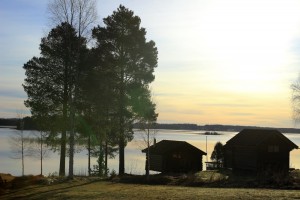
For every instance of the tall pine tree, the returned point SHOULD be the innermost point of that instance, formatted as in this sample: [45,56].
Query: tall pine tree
[50,82]
[133,60]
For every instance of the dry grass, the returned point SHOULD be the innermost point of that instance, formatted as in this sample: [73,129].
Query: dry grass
[7,177]
[214,185]
[86,189]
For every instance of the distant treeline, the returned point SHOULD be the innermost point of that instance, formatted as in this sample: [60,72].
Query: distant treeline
[16,122]
[30,125]
[8,122]
[217,127]
[236,128]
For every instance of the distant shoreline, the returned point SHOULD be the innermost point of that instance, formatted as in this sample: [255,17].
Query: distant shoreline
[217,127]
[13,123]
[12,127]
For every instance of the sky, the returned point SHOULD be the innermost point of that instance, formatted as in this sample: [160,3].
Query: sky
[219,62]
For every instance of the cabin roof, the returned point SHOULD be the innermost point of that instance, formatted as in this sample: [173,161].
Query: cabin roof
[166,146]
[255,137]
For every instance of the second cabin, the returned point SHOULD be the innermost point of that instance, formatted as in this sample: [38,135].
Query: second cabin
[174,156]
[258,150]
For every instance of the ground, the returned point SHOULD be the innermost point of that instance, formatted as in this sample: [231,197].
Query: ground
[110,190]
[163,187]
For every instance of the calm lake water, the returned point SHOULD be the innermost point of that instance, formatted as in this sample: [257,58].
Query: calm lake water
[134,158]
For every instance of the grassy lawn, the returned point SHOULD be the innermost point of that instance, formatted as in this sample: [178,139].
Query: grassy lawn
[109,190]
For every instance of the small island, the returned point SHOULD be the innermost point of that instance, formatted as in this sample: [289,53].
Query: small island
[211,133]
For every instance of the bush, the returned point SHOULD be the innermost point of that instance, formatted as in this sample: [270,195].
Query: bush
[112,174]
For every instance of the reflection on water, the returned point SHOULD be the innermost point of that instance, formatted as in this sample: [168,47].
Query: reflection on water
[134,158]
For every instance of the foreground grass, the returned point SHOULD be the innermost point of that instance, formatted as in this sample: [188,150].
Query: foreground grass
[108,190]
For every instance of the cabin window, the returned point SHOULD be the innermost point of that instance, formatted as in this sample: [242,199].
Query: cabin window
[273,148]
[175,155]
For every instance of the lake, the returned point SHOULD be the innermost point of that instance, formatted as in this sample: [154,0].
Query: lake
[134,158]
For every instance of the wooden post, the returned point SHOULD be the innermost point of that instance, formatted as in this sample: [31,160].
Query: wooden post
[206,149]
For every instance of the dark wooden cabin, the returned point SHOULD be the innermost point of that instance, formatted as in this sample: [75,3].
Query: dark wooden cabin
[258,150]
[174,156]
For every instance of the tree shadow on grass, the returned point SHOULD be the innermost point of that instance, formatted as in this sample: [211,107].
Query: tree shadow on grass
[11,192]
[42,194]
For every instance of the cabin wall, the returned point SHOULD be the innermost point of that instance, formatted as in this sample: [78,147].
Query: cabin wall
[275,154]
[241,157]
[271,156]
[180,160]
[156,163]
[272,153]
[228,158]
[274,157]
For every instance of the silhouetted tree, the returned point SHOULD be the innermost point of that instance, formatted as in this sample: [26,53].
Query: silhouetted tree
[218,154]
[99,107]
[50,81]
[80,14]
[132,60]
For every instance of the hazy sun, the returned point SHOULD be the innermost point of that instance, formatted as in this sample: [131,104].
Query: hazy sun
[249,41]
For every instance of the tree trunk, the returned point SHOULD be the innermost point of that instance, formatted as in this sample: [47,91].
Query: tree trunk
[121,125]
[41,154]
[22,138]
[121,154]
[89,155]
[22,141]
[73,109]
[62,162]
[148,154]
[71,158]
[71,153]
[106,155]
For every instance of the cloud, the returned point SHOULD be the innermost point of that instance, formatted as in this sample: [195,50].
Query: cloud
[229,105]
[166,94]
[241,114]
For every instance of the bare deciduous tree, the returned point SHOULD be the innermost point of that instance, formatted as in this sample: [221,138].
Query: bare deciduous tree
[148,133]
[296,100]
[38,147]
[147,123]
[19,143]
[81,14]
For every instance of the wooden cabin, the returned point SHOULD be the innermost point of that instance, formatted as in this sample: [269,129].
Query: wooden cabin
[174,156]
[258,150]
